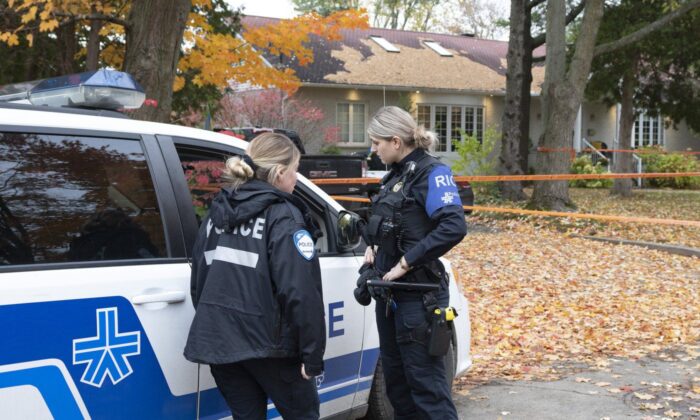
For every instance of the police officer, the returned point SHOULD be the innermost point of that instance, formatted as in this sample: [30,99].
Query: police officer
[416,217]
[256,287]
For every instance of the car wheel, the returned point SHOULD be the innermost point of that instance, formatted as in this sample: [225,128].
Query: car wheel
[379,405]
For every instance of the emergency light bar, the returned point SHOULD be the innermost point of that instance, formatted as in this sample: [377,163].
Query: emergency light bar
[101,89]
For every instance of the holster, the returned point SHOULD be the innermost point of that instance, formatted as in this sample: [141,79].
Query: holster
[440,332]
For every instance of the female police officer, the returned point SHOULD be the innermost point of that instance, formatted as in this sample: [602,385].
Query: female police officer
[256,287]
[416,217]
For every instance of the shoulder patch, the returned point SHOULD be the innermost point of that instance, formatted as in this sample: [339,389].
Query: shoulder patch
[442,190]
[304,244]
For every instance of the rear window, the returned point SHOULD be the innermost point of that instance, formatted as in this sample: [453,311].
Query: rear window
[76,198]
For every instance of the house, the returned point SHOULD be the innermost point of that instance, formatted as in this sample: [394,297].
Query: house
[450,82]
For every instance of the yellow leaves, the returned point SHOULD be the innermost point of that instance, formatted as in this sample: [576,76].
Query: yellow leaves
[643,396]
[178,83]
[30,15]
[30,39]
[651,406]
[47,26]
[10,39]
[673,414]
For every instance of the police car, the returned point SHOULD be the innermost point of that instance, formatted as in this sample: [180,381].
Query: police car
[98,214]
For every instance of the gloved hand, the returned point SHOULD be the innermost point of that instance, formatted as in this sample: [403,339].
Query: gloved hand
[363,294]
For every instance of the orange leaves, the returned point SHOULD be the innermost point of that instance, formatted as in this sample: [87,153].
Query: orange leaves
[539,297]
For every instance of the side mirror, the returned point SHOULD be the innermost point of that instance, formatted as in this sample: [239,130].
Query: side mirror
[348,231]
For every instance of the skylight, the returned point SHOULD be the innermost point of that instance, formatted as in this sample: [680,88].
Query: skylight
[385,44]
[435,46]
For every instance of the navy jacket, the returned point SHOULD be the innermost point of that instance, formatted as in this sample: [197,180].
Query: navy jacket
[256,281]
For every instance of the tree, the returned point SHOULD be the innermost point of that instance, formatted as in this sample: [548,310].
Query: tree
[564,85]
[481,18]
[403,14]
[325,7]
[561,97]
[656,74]
[525,16]
[209,57]
[272,108]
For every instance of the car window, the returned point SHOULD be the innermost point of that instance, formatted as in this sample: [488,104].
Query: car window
[75,198]
[203,169]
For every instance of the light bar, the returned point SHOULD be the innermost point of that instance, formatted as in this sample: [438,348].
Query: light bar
[101,89]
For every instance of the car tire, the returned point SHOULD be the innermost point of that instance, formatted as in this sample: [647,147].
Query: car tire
[379,405]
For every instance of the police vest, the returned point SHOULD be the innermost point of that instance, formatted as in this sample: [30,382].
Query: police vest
[398,221]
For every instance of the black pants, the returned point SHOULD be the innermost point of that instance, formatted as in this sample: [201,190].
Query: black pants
[246,386]
[416,382]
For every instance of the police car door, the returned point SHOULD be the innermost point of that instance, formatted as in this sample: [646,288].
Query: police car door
[202,162]
[93,287]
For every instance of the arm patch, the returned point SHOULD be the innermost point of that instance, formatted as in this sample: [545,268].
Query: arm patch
[442,190]
[304,244]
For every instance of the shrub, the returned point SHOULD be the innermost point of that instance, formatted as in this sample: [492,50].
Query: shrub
[655,160]
[584,165]
[478,158]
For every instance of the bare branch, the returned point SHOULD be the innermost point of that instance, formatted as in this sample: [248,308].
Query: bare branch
[573,14]
[534,3]
[94,16]
[647,30]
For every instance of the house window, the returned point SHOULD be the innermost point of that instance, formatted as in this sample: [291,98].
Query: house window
[388,46]
[648,131]
[351,117]
[435,46]
[449,121]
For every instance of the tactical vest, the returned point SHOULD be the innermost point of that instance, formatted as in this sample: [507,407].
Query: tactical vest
[398,221]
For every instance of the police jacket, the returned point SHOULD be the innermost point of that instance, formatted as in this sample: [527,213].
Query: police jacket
[256,281]
[419,199]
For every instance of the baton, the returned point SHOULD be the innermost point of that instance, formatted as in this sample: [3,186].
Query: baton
[398,285]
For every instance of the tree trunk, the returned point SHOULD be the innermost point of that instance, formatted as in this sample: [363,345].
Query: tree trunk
[68,44]
[93,44]
[153,41]
[623,161]
[518,76]
[562,94]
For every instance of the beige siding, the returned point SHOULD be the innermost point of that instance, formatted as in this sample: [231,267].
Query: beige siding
[682,138]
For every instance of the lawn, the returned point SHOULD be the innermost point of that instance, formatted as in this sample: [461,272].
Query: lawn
[541,298]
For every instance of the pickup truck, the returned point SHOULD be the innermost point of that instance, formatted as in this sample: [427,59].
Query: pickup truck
[357,165]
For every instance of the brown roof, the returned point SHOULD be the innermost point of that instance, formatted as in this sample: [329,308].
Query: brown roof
[477,65]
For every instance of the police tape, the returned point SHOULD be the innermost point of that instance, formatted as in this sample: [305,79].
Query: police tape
[542,213]
[498,178]
[590,150]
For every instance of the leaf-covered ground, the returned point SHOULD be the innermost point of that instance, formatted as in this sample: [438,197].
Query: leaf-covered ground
[662,204]
[541,298]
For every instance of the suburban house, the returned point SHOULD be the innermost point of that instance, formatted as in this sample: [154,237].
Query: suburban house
[450,82]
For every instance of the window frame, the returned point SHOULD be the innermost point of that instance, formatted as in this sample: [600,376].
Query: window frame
[175,250]
[169,143]
[656,134]
[365,141]
[449,135]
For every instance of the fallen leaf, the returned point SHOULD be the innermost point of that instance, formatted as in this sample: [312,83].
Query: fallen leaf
[583,380]
[614,390]
[695,409]
[505,413]
[602,384]
[651,406]
[676,399]
[626,389]
[672,414]
[643,396]
[693,396]
[593,392]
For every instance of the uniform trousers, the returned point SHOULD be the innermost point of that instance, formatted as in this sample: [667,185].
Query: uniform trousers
[416,382]
[246,386]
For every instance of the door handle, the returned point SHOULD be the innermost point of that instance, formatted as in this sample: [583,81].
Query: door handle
[173,296]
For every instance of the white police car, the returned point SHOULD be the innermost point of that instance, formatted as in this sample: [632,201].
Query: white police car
[96,223]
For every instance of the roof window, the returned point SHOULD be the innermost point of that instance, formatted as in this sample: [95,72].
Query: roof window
[435,46]
[385,44]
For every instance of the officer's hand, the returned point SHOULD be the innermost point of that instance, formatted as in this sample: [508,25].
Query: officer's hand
[395,273]
[369,255]
[303,373]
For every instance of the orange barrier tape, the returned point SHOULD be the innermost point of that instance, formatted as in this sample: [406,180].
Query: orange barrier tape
[623,219]
[589,150]
[494,178]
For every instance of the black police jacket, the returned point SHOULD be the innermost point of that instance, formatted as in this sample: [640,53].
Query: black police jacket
[256,281]
[418,196]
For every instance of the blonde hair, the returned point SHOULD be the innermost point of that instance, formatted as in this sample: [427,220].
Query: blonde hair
[392,121]
[270,152]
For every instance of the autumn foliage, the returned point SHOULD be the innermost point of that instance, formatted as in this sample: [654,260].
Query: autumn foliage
[215,58]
